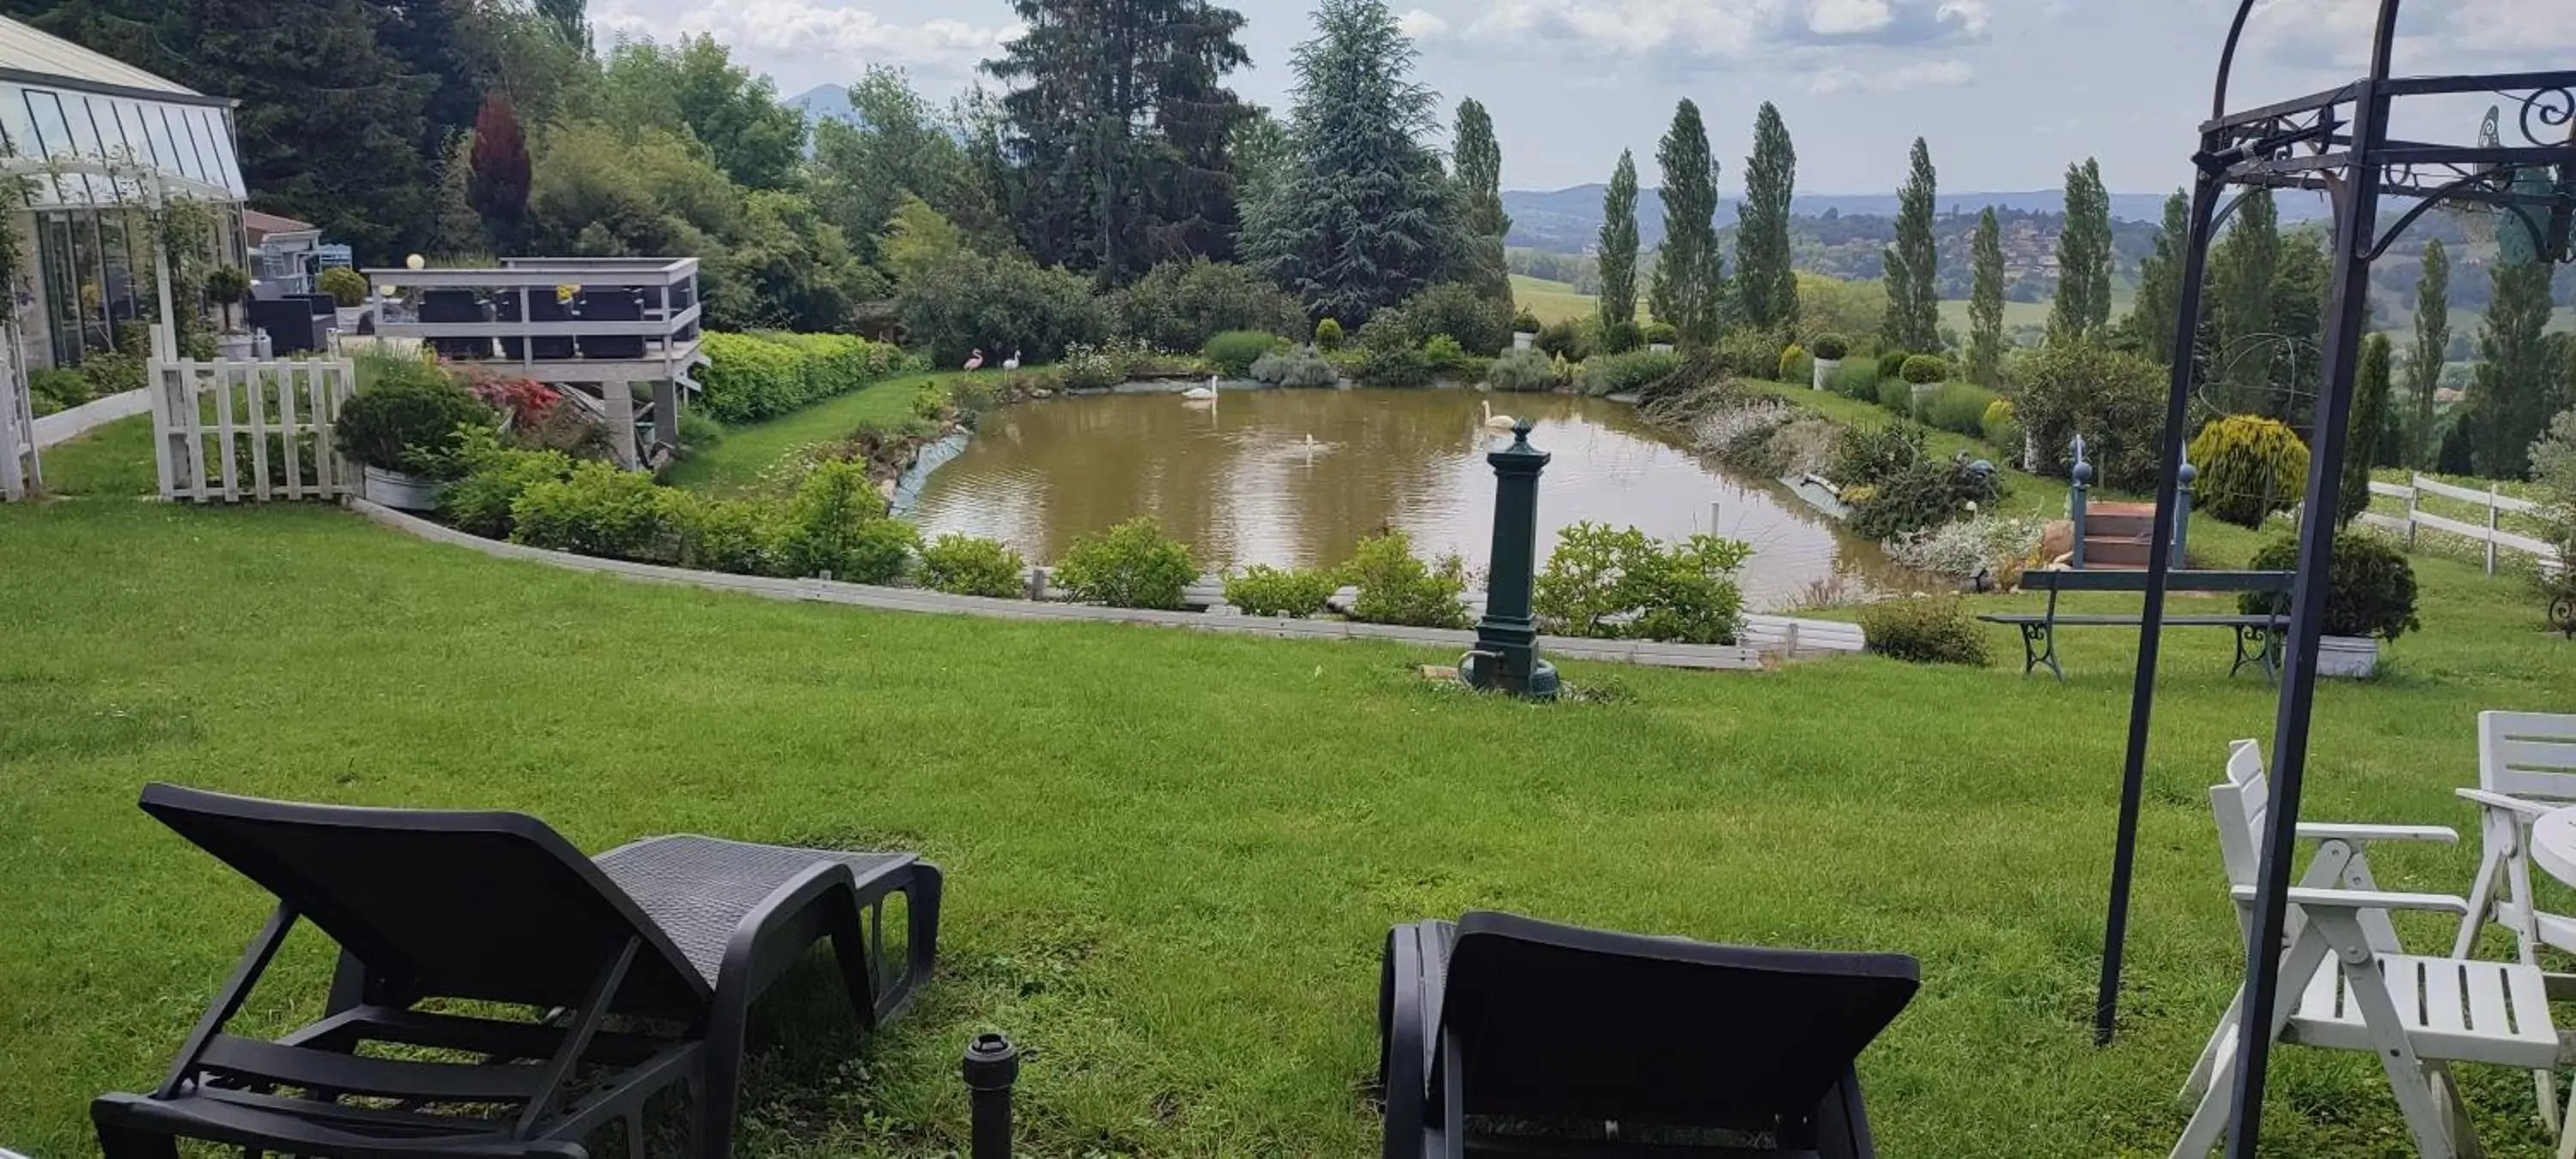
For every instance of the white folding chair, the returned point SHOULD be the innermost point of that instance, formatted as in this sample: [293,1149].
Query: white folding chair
[2347,985]
[2526,767]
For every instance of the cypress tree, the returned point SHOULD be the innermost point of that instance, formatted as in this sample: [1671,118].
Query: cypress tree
[1913,320]
[1766,285]
[2432,349]
[2158,308]
[2370,384]
[2519,378]
[2242,272]
[2083,306]
[1986,305]
[1619,249]
[1480,189]
[1689,272]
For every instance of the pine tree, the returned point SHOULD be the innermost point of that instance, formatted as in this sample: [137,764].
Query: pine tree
[2520,379]
[1619,247]
[2370,383]
[455,229]
[1689,272]
[498,185]
[2432,349]
[1986,305]
[2083,306]
[1913,306]
[1480,188]
[1362,215]
[1766,285]
[2242,272]
[2296,336]
[2158,308]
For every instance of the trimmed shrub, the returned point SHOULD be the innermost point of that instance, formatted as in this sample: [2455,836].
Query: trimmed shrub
[1523,372]
[495,477]
[1923,369]
[1234,351]
[1795,366]
[2115,400]
[1662,334]
[837,525]
[596,509]
[1620,583]
[1524,321]
[1856,379]
[347,287]
[1831,347]
[1896,395]
[1395,587]
[2250,467]
[2369,592]
[1959,408]
[1935,630]
[1892,364]
[1262,590]
[1328,335]
[1132,565]
[1624,373]
[1622,337]
[408,418]
[741,536]
[1568,339]
[966,566]
[750,377]
[1182,305]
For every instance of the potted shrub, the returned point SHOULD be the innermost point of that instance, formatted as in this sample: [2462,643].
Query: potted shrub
[403,429]
[2370,597]
[1829,350]
[348,290]
[1524,328]
[226,286]
[1660,337]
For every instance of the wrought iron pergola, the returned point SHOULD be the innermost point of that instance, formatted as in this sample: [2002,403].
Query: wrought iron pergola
[2338,142]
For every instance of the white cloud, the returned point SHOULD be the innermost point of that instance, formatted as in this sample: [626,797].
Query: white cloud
[814,30]
[1688,34]
[1921,75]
[1421,25]
[1848,17]
[2464,35]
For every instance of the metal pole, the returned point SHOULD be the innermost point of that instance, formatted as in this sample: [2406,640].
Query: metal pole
[2161,552]
[992,1065]
[2357,222]
[1506,655]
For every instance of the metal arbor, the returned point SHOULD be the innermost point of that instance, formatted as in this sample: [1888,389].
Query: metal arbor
[2337,142]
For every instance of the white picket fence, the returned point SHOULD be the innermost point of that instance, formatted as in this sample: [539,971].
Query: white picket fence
[233,430]
[19,469]
[2494,503]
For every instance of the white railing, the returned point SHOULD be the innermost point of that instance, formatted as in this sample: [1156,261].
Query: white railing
[2492,503]
[228,431]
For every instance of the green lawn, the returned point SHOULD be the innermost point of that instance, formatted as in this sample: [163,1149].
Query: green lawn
[1172,856]
[115,459]
[736,463]
[1552,301]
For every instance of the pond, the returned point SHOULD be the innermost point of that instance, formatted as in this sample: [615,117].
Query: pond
[1295,478]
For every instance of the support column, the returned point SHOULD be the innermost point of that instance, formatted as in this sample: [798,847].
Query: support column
[617,407]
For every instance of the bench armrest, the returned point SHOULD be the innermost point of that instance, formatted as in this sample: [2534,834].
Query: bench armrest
[2528,810]
[2335,831]
[2359,899]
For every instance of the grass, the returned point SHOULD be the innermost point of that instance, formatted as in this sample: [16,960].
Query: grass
[735,464]
[1552,301]
[115,459]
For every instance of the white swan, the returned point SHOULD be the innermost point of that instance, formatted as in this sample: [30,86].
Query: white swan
[1201,393]
[1495,422]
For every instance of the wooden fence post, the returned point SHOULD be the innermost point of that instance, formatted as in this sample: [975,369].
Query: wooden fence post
[2414,495]
[2491,528]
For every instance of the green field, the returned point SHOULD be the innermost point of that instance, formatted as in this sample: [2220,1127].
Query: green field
[736,463]
[1552,301]
[1172,856]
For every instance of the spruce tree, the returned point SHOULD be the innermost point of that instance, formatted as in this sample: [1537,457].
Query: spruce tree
[1766,285]
[1360,215]
[2296,338]
[1480,191]
[1986,304]
[2432,349]
[2158,308]
[1913,320]
[2370,383]
[2083,306]
[1689,273]
[2242,271]
[2520,379]
[1618,302]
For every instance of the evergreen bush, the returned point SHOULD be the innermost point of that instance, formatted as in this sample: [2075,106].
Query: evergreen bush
[1233,352]
[1831,347]
[1328,335]
[599,510]
[347,287]
[2370,591]
[1934,630]
[964,565]
[1131,565]
[1262,590]
[2250,467]
[1923,369]
[1395,587]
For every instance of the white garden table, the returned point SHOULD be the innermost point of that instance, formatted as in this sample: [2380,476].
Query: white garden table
[2553,843]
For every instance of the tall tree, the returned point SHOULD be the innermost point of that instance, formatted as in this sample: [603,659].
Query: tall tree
[894,145]
[1480,191]
[2083,306]
[2241,275]
[693,88]
[1913,305]
[1690,274]
[1766,285]
[2431,350]
[1118,129]
[2370,383]
[2520,378]
[1986,304]
[1362,216]
[569,19]
[2158,308]
[498,185]
[1619,248]
[2297,330]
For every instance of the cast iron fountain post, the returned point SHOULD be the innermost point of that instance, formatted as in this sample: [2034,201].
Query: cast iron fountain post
[1506,655]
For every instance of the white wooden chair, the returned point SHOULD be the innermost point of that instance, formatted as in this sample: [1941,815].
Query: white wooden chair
[2526,767]
[2347,985]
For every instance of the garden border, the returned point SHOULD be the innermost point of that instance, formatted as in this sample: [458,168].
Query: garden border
[1705,657]
[65,425]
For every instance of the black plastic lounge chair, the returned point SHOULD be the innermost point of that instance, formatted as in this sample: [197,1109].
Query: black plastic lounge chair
[672,937]
[1504,1035]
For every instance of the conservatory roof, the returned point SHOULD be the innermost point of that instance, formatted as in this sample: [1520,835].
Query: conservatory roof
[42,58]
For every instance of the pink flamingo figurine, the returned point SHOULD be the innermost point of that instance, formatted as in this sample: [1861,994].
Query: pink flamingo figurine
[976,362]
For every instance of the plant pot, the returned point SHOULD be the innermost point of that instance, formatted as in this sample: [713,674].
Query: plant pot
[1660,347]
[1523,341]
[235,347]
[402,491]
[1825,368]
[2348,657]
[347,317]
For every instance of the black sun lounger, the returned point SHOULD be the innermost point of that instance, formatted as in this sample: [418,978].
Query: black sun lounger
[669,938]
[1504,1035]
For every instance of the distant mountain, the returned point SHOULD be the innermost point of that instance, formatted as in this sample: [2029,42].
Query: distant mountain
[1569,220]
[822,101]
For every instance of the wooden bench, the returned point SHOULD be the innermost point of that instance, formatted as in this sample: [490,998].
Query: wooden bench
[2258,637]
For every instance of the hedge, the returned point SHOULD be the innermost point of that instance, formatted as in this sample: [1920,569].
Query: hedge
[750,377]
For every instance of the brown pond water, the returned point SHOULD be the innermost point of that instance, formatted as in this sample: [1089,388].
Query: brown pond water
[1237,481]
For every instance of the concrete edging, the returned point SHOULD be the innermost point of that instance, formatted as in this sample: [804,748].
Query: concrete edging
[66,425]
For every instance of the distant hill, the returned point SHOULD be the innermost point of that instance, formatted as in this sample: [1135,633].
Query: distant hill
[822,101]
[1569,220]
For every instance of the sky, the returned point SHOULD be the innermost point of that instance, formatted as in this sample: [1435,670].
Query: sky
[2007,92]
